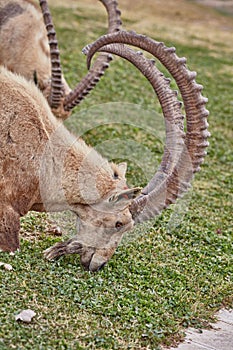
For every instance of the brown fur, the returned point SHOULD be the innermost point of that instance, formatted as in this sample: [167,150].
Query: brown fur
[43,167]
[22,53]
[24,47]
[9,11]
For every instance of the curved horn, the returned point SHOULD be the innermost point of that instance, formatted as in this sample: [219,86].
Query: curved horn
[180,160]
[56,72]
[114,15]
[101,64]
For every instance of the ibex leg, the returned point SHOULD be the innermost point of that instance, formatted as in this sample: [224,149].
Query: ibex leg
[9,229]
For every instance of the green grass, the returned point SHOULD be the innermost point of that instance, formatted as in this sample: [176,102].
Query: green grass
[159,282]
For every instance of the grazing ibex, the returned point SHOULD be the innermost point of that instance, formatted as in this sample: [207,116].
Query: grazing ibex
[43,168]
[28,46]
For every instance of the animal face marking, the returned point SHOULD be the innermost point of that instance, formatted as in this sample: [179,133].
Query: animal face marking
[35,78]
[10,10]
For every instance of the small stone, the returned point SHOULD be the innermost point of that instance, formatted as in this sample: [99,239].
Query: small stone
[25,316]
[7,267]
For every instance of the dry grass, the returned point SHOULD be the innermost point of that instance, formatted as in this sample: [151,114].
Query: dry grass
[183,17]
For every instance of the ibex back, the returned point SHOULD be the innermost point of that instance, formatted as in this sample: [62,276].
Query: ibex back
[28,46]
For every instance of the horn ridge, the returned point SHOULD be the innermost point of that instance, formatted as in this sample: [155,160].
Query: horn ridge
[56,71]
[114,19]
[87,83]
[160,193]
[174,131]
[85,86]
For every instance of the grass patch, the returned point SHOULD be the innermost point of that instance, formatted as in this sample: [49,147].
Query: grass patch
[172,272]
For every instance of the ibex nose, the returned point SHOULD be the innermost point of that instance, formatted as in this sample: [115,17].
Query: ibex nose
[86,257]
[95,263]
[89,266]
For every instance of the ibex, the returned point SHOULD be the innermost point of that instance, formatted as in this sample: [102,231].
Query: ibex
[26,49]
[43,168]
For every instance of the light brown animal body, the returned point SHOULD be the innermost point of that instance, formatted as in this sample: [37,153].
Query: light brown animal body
[24,47]
[44,168]
[28,46]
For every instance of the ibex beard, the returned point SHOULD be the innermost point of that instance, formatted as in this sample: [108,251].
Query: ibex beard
[44,168]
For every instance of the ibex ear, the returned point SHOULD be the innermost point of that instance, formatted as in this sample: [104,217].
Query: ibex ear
[122,169]
[126,195]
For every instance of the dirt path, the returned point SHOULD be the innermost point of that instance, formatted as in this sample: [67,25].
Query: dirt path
[226,5]
[220,337]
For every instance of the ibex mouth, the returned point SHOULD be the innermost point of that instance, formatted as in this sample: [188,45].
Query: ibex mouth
[96,263]
[89,257]
[94,259]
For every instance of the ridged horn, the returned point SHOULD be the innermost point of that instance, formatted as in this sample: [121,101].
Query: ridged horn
[101,64]
[93,76]
[56,91]
[183,152]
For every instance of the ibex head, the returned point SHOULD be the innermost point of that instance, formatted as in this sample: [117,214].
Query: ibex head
[100,229]
[101,202]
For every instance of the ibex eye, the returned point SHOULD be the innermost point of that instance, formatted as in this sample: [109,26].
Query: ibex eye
[119,224]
